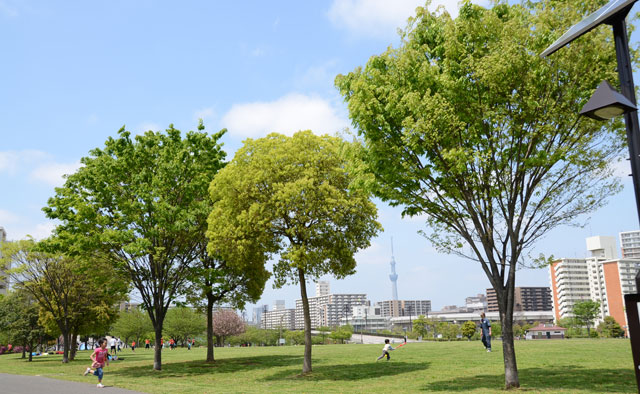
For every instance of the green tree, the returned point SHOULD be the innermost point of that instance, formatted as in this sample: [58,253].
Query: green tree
[420,326]
[220,283]
[466,124]
[573,326]
[517,330]
[182,323]
[294,337]
[610,328]
[133,324]
[19,314]
[324,330]
[140,202]
[496,330]
[586,312]
[468,329]
[74,294]
[343,333]
[291,197]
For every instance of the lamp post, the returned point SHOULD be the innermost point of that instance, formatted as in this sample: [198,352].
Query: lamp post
[606,104]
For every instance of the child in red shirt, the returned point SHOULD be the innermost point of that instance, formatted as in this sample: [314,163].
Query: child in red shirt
[99,358]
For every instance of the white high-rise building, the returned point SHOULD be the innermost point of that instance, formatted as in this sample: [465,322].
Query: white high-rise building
[279,318]
[4,280]
[279,305]
[630,244]
[569,284]
[322,288]
[327,310]
[601,277]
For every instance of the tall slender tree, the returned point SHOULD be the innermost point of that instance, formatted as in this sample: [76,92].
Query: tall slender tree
[291,197]
[465,124]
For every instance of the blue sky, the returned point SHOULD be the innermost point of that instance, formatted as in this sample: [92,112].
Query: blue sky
[74,72]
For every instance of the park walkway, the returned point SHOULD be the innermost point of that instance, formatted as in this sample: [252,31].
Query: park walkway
[20,384]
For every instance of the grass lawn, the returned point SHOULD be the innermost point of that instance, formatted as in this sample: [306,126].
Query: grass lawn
[555,366]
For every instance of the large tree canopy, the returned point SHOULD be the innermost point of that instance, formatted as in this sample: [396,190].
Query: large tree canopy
[140,201]
[466,124]
[291,197]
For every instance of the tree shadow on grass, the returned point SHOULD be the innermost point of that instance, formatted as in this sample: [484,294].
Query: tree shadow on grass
[349,371]
[566,377]
[200,367]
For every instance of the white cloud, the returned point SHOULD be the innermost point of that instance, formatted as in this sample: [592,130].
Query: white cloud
[373,255]
[52,173]
[381,18]
[42,230]
[144,127]
[257,52]
[7,217]
[317,77]
[8,9]
[13,161]
[22,230]
[285,115]
[204,113]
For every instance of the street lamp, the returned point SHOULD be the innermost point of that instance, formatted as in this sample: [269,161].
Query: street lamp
[610,103]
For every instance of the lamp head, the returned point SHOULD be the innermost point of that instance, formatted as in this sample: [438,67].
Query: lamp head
[607,103]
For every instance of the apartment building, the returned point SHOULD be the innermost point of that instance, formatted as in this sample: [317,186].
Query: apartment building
[526,299]
[601,277]
[279,318]
[630,244]
[327,310]
[322,288]
[395,308]
[477,303]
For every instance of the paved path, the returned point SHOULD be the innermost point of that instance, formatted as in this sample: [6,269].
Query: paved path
[20,384]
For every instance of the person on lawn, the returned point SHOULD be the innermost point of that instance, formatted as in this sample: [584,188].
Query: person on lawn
[99,358]
[385,350]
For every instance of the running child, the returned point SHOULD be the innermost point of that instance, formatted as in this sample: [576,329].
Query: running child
[385,350]
[99,358]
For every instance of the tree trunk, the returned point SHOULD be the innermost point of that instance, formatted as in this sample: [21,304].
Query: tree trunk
[157,354]
[210,357]
[74,344]
[511,379]
[30,351]
[505,304]
[66,338]
[24,349]
[306,365]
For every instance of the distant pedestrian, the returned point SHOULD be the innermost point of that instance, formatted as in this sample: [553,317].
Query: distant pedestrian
[385,350]
[112,345]
[133,346]
[146,344]
[99,358]
[485,327]
[188,344]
